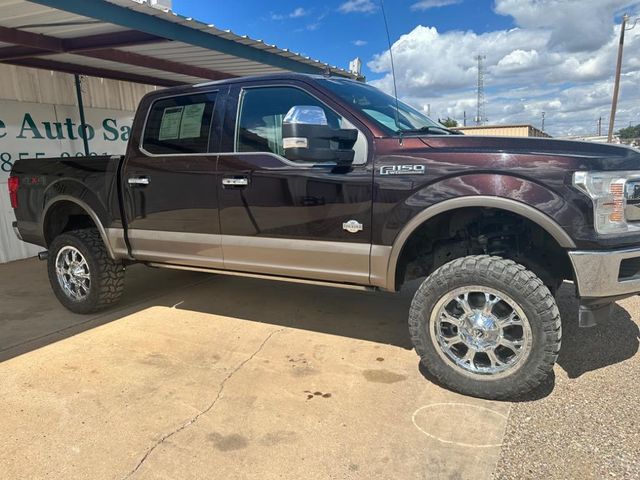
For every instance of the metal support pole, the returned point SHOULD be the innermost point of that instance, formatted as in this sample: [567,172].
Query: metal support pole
[616,87]
[83,123]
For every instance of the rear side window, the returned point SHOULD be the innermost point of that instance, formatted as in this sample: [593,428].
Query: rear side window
[179,125]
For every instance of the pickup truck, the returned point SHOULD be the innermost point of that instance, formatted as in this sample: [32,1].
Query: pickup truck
[331,181]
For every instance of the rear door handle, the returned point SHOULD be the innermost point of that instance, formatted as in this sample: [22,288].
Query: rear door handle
[235,181]
[138,181]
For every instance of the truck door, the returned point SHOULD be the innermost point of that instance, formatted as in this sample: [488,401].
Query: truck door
[289,218]
[170,184]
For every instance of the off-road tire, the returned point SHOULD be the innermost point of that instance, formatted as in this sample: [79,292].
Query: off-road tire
[525,288]
[107,276]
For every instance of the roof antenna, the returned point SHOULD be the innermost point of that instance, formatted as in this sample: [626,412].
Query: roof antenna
[393,70]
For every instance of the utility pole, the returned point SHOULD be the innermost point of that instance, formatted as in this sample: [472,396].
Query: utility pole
[464,122]
[600,126]
[543,115]
[480,108]
[616,85]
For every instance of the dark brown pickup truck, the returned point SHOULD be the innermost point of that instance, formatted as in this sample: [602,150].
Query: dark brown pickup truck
[323,180]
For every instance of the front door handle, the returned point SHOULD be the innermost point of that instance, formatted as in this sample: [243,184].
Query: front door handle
[138,181]
[235,181]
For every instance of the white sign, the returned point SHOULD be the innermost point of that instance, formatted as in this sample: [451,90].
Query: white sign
[34,130]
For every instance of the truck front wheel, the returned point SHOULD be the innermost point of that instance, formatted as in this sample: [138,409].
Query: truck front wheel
[82,275]
[485,326]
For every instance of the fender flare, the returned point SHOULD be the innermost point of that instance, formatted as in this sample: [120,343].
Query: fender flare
[89,211]
[501,203]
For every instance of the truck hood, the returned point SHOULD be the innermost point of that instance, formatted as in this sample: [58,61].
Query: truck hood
[591,156]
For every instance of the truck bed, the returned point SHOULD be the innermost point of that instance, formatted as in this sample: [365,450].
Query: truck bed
[90,180]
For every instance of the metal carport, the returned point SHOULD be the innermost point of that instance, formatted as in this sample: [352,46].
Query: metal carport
[132,41]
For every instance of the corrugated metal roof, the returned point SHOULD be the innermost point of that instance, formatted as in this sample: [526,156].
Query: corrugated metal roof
[173,48]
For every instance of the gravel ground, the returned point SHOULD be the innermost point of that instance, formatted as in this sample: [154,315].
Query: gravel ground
[584,423]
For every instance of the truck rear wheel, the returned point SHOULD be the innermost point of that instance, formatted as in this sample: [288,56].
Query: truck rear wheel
[82,275]
[486,326]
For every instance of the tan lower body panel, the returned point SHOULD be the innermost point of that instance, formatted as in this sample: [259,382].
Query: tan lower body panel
[338,262]
[331,261]
[195,249]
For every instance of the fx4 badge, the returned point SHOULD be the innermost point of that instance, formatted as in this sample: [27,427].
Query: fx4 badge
[402,170]
[352,226]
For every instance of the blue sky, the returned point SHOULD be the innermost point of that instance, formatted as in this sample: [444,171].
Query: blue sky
[552,56]
[323,31]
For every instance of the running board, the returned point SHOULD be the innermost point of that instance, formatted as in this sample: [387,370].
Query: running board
[320,283]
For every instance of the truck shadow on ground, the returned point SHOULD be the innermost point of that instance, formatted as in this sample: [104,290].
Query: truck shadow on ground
[371,316]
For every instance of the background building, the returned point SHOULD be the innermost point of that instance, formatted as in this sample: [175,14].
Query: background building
[504,131]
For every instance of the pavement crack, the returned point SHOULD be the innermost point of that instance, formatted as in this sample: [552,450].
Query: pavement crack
[195,418]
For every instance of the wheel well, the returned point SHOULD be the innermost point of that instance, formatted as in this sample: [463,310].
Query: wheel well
[478,230]
[64,216]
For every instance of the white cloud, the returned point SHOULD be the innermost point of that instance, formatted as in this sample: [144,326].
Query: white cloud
[359,43]
[574,25]
[358,6]
[296,13]
[529,69]
[427,4]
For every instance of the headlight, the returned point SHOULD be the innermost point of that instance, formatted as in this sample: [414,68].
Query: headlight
[615,197]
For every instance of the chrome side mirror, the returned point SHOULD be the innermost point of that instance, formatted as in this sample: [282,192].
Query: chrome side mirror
[306,115]
[307,137]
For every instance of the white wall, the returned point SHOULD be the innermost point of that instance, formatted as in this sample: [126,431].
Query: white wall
[31,100]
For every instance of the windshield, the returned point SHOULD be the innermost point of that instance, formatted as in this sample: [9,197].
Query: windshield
[380,107]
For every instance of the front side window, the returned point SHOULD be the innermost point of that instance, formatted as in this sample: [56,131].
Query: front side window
[262,110]
[179,125]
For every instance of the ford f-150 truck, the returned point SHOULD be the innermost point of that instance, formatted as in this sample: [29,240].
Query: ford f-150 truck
[330,181]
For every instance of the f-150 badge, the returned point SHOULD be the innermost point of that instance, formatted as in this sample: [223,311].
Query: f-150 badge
[402,170]
[352,226]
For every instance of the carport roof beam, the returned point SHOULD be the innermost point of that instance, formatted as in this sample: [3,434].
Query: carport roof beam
[92,71]
[97,46]
[128,18]
[34,44]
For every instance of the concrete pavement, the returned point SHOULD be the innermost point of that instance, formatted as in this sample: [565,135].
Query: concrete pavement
[197,376]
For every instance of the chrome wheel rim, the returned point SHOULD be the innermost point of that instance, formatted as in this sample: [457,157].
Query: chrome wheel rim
[73,273]
[481,332]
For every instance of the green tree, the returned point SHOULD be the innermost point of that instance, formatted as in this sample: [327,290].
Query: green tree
[629,132]
[448,122]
